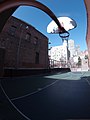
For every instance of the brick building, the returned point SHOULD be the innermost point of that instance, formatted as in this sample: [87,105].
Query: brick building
[87,4]
[22,46]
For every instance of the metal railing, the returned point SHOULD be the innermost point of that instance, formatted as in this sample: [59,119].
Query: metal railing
[57,64]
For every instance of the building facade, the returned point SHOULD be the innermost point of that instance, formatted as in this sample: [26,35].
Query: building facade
[71,47]
[62,52]
[23,45]
[59,54]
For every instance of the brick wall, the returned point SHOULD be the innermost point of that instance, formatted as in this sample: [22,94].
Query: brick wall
[87,4]
[24,45]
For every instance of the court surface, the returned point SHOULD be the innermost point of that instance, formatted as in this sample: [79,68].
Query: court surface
[49,97]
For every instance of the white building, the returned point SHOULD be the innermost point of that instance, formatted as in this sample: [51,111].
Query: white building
[75,59]
[59,52]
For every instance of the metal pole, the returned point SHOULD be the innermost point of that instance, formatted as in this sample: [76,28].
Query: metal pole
[9,4]
[67,53]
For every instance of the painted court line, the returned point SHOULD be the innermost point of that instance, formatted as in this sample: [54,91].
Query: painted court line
[87,81]
[39,89]
[13,104]
[85,78]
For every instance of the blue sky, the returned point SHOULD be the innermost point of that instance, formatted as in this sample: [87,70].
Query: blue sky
[71,8]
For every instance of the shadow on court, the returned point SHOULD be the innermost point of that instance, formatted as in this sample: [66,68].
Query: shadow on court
[54,97]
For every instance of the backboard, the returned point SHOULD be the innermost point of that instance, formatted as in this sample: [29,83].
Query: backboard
[66,22]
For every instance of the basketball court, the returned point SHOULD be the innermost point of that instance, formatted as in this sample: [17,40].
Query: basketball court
[47,97]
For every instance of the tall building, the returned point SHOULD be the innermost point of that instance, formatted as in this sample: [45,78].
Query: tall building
[77,50]
[71,47]
[23,46]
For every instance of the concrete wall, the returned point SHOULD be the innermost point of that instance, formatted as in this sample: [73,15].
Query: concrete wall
[22,42]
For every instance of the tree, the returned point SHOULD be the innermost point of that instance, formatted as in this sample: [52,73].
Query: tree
[86,56]
[79,62]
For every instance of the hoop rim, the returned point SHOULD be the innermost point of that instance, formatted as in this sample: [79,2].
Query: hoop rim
[64,36]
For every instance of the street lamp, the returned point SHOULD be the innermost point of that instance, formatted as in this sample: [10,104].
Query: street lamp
[19,45]
[49,53]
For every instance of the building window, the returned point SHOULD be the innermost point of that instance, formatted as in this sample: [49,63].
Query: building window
[28,36]
[37,58]
[36,41]
[12,30]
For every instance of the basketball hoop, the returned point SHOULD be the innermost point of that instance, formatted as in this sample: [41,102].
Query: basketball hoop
[64,36]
